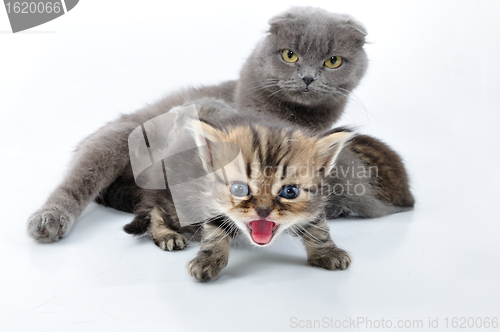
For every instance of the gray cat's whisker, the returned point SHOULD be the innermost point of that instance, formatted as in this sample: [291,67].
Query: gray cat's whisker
[272,95]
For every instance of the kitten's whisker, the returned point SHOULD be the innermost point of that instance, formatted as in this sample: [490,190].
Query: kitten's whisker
[306,236]
[291,239]
[191,238]
[311,236]
[219,228]
[227,234]
[305,239]
[313,225]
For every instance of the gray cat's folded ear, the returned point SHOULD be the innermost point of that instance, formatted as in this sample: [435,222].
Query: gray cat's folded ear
[293,14]
[354,25]
[276,22]
[302,15]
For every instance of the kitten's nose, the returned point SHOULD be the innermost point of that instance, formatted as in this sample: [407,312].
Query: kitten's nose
[308,80]
[263,212]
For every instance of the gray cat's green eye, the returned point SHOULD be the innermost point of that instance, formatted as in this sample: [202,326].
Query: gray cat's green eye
[239,189]
[333,62]
[289,56]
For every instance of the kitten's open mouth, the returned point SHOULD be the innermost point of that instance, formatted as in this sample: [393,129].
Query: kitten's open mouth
[262,230]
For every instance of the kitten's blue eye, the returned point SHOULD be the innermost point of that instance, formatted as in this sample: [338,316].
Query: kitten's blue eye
[239,189]
[290,191]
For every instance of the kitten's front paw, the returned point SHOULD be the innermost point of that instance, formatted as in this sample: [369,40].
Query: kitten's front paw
[172,241]
[207,265]
[49,225]
[330,259]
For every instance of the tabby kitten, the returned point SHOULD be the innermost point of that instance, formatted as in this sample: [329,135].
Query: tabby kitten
[279,187]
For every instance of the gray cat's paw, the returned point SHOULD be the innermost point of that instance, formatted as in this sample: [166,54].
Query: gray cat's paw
[330,259]
[49,225]
[171,242]
[207,265]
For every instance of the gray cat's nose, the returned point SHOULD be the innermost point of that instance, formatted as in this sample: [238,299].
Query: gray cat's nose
[308,80]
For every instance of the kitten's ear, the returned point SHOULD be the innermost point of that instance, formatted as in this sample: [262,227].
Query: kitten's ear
[205,135]
[329,147]
[211,133]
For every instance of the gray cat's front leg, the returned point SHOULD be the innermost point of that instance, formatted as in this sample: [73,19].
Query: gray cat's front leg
[321,250]
[98,161]
[213,255]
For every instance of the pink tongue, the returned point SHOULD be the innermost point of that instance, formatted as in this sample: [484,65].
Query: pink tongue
[262,231]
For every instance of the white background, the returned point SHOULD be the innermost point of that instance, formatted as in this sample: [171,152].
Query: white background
[431,92]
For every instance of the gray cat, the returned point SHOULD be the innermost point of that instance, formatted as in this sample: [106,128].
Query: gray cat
[302,71]
[305,68]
